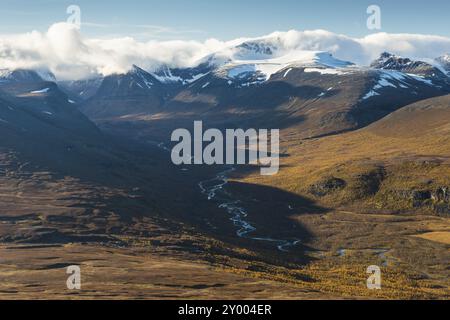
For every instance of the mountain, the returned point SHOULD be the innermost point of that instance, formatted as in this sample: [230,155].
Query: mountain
[77,90]
[256,49]
[24,75]
[247,71]
[258,57]
[81,90]
[136,82]
[257,83]
[183,76]
[39,123]
[389,61]
[425,118]
[136,92]
[444,62]
[312,91]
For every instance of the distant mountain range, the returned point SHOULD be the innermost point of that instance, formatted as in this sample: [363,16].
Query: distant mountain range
[252,84]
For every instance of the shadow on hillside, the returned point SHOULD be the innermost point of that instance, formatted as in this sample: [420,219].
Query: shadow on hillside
[253,107]
[277,93]
[272,212]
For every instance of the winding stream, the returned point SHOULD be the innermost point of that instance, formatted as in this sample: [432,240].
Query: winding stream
[214,190]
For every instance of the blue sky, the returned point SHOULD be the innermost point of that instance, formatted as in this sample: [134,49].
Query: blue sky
[227,19]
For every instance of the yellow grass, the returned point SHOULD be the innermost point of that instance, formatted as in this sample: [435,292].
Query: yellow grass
[441,237]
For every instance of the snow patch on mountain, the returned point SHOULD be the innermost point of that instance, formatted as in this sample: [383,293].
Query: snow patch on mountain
[443,63]
[326,71]
[396,80]
[299,58]
[177,79]
[40,91]
[370,94]
[141,77]
[186,76]
[166,76]
[262,70]
[240,70]
[287,72]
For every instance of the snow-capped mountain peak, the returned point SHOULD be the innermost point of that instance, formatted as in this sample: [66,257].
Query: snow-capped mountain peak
[135,70]
[427,69]
[260,70]
[25,75]
[19,75]
[141,78]
[444,63]
[184,76]
[255,50]
[444,58]
[389,61]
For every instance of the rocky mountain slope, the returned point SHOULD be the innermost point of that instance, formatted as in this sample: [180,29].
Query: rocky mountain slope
[256,86]
[132,93]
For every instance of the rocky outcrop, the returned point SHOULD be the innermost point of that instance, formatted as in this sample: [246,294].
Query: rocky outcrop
[327,186]
[368,184]
[442,194]
[437,199]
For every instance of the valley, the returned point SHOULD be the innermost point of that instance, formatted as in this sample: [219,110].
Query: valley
[364,179]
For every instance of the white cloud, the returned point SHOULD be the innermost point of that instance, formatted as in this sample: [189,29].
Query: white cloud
[364,50]
[64,51]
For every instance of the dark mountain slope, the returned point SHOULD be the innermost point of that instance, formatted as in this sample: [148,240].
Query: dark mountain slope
[81,90]
[423,118]
[136,92]
[317,100]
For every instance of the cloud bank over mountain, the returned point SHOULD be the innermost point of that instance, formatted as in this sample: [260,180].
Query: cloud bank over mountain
[64,51]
